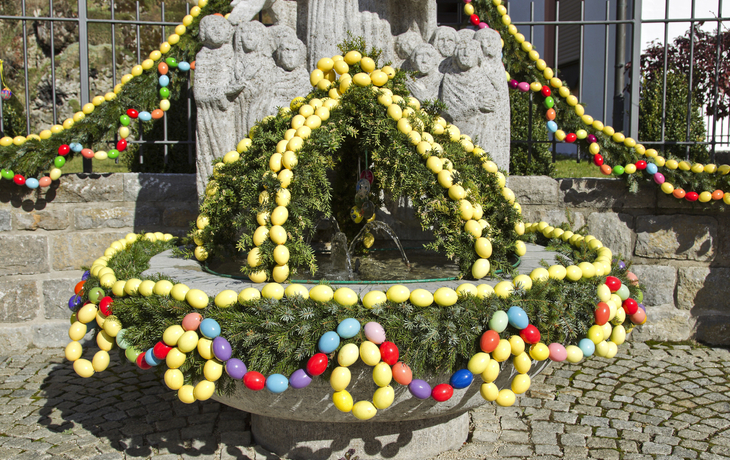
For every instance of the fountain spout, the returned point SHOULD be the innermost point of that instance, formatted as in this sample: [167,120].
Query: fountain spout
[375,226]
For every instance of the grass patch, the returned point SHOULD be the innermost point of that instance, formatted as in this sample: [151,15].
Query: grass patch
[76,165]
[568,167]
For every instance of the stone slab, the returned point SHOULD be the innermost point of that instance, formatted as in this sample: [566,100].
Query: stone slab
[613,230]
[52,219]
[56,293]
[703,290]
[666,322]
[713,329]
[530,190]
[23,255]
[140,216]
[15,338]
[180,216]
[5,221]
[18,301]
[603,193]
[52,334]
[659,282]
[159,187]
[84,188]
[71,251]
[676,237]
[555,217]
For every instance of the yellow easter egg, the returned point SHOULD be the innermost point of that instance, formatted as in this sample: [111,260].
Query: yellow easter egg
[188,342]
[558,272]
[83,368]
[204,390]
[361,79]
[478,363]
[105,341]
[100,361]
[248,295]
[595,334]
[504,289]
[520,383]
[197,298]
[174,379]
[522,282]
[205,348]
[466,289]
[618,335]
[175,358]
[364,410]
[172,334]
[539,274]
[212,370]
[77,331]
[87,313]
[484,291]
[342,400]
[445,179]
[539,352]
[348,355]
[506,398]
[520,248]
[522,362]
[398,293]
[517,345]
[353,57]
[480,270]
[491,372]
[483,247]
[321,293]
[340,378]
[369,353]
[575,354]
[382,374]
[186,394]
[226,298]
[445,297]
[179,291]
[273,291]
[277,234]
[489,391]
[503,351]
[346,297]
[374,298]
[383,397]
[73,351]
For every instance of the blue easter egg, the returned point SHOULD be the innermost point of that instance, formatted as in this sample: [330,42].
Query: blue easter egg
[623,292]
[328,342]
[499,321]
[277,383]
[77,147]
[144,116]
[164,81]
[587,347]
[552,126]
[31,182]
[74,302]
[184,66]
[348,328]
[73,145]
[149,356]
[651,168]
[210,328]
[461,379]
[86,275]
[518,318]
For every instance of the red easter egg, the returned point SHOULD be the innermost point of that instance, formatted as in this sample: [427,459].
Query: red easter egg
[641,164]
[131,113]
[474,19]
[603,313]
[442,392]
[78,287]
[570,138]
[317,364]
[613,283]
[162,68]
[63,149]
[402,373]
[160,350]
[630,306]
[691,196]
[598,159]
[142,363]
[545,91]
[87,153]
[389,352]
[489,341]
[105,305]
[530,334]
[254,380]
[44,181]
[19,179]
[122,145]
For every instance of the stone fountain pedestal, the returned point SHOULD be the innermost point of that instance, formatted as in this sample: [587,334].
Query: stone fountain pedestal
[304,424]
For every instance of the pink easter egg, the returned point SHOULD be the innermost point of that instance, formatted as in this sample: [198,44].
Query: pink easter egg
[557,352]
[44,181]
[659,178]
[87,153]
[375,332]
[639,317]
[524,87]
[191,321]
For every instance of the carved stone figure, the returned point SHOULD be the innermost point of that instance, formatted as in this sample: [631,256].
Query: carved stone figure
[289,79]
[213,69]
[472,98]
[405,44]
[425,61]
[444,39]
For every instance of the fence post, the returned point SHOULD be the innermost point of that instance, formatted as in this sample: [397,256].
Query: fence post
[635,71]
[84,64]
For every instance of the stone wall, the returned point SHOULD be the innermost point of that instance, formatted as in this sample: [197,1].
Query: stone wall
[47,236]
[681,253]
[678,250]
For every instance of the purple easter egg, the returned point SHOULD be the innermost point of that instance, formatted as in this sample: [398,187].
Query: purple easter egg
[236,369]
[524,87]
[659,178]
[299,379]
[591,138]
[621,265]
[641,305]
[74,302]
[86,275]
[221,349]
[420,389]
[513,84]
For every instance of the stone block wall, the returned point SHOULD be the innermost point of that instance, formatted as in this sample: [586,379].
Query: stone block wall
[46,236]
[680,251]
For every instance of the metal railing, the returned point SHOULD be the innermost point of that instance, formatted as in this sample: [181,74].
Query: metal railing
[626,96]
[83,21]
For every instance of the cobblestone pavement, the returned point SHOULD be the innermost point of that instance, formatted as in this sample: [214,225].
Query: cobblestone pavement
[663,401]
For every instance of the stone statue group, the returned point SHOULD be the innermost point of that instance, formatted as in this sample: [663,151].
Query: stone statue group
[247,70]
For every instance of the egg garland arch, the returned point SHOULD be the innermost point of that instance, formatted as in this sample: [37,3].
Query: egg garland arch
[196,350]
[349,116]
